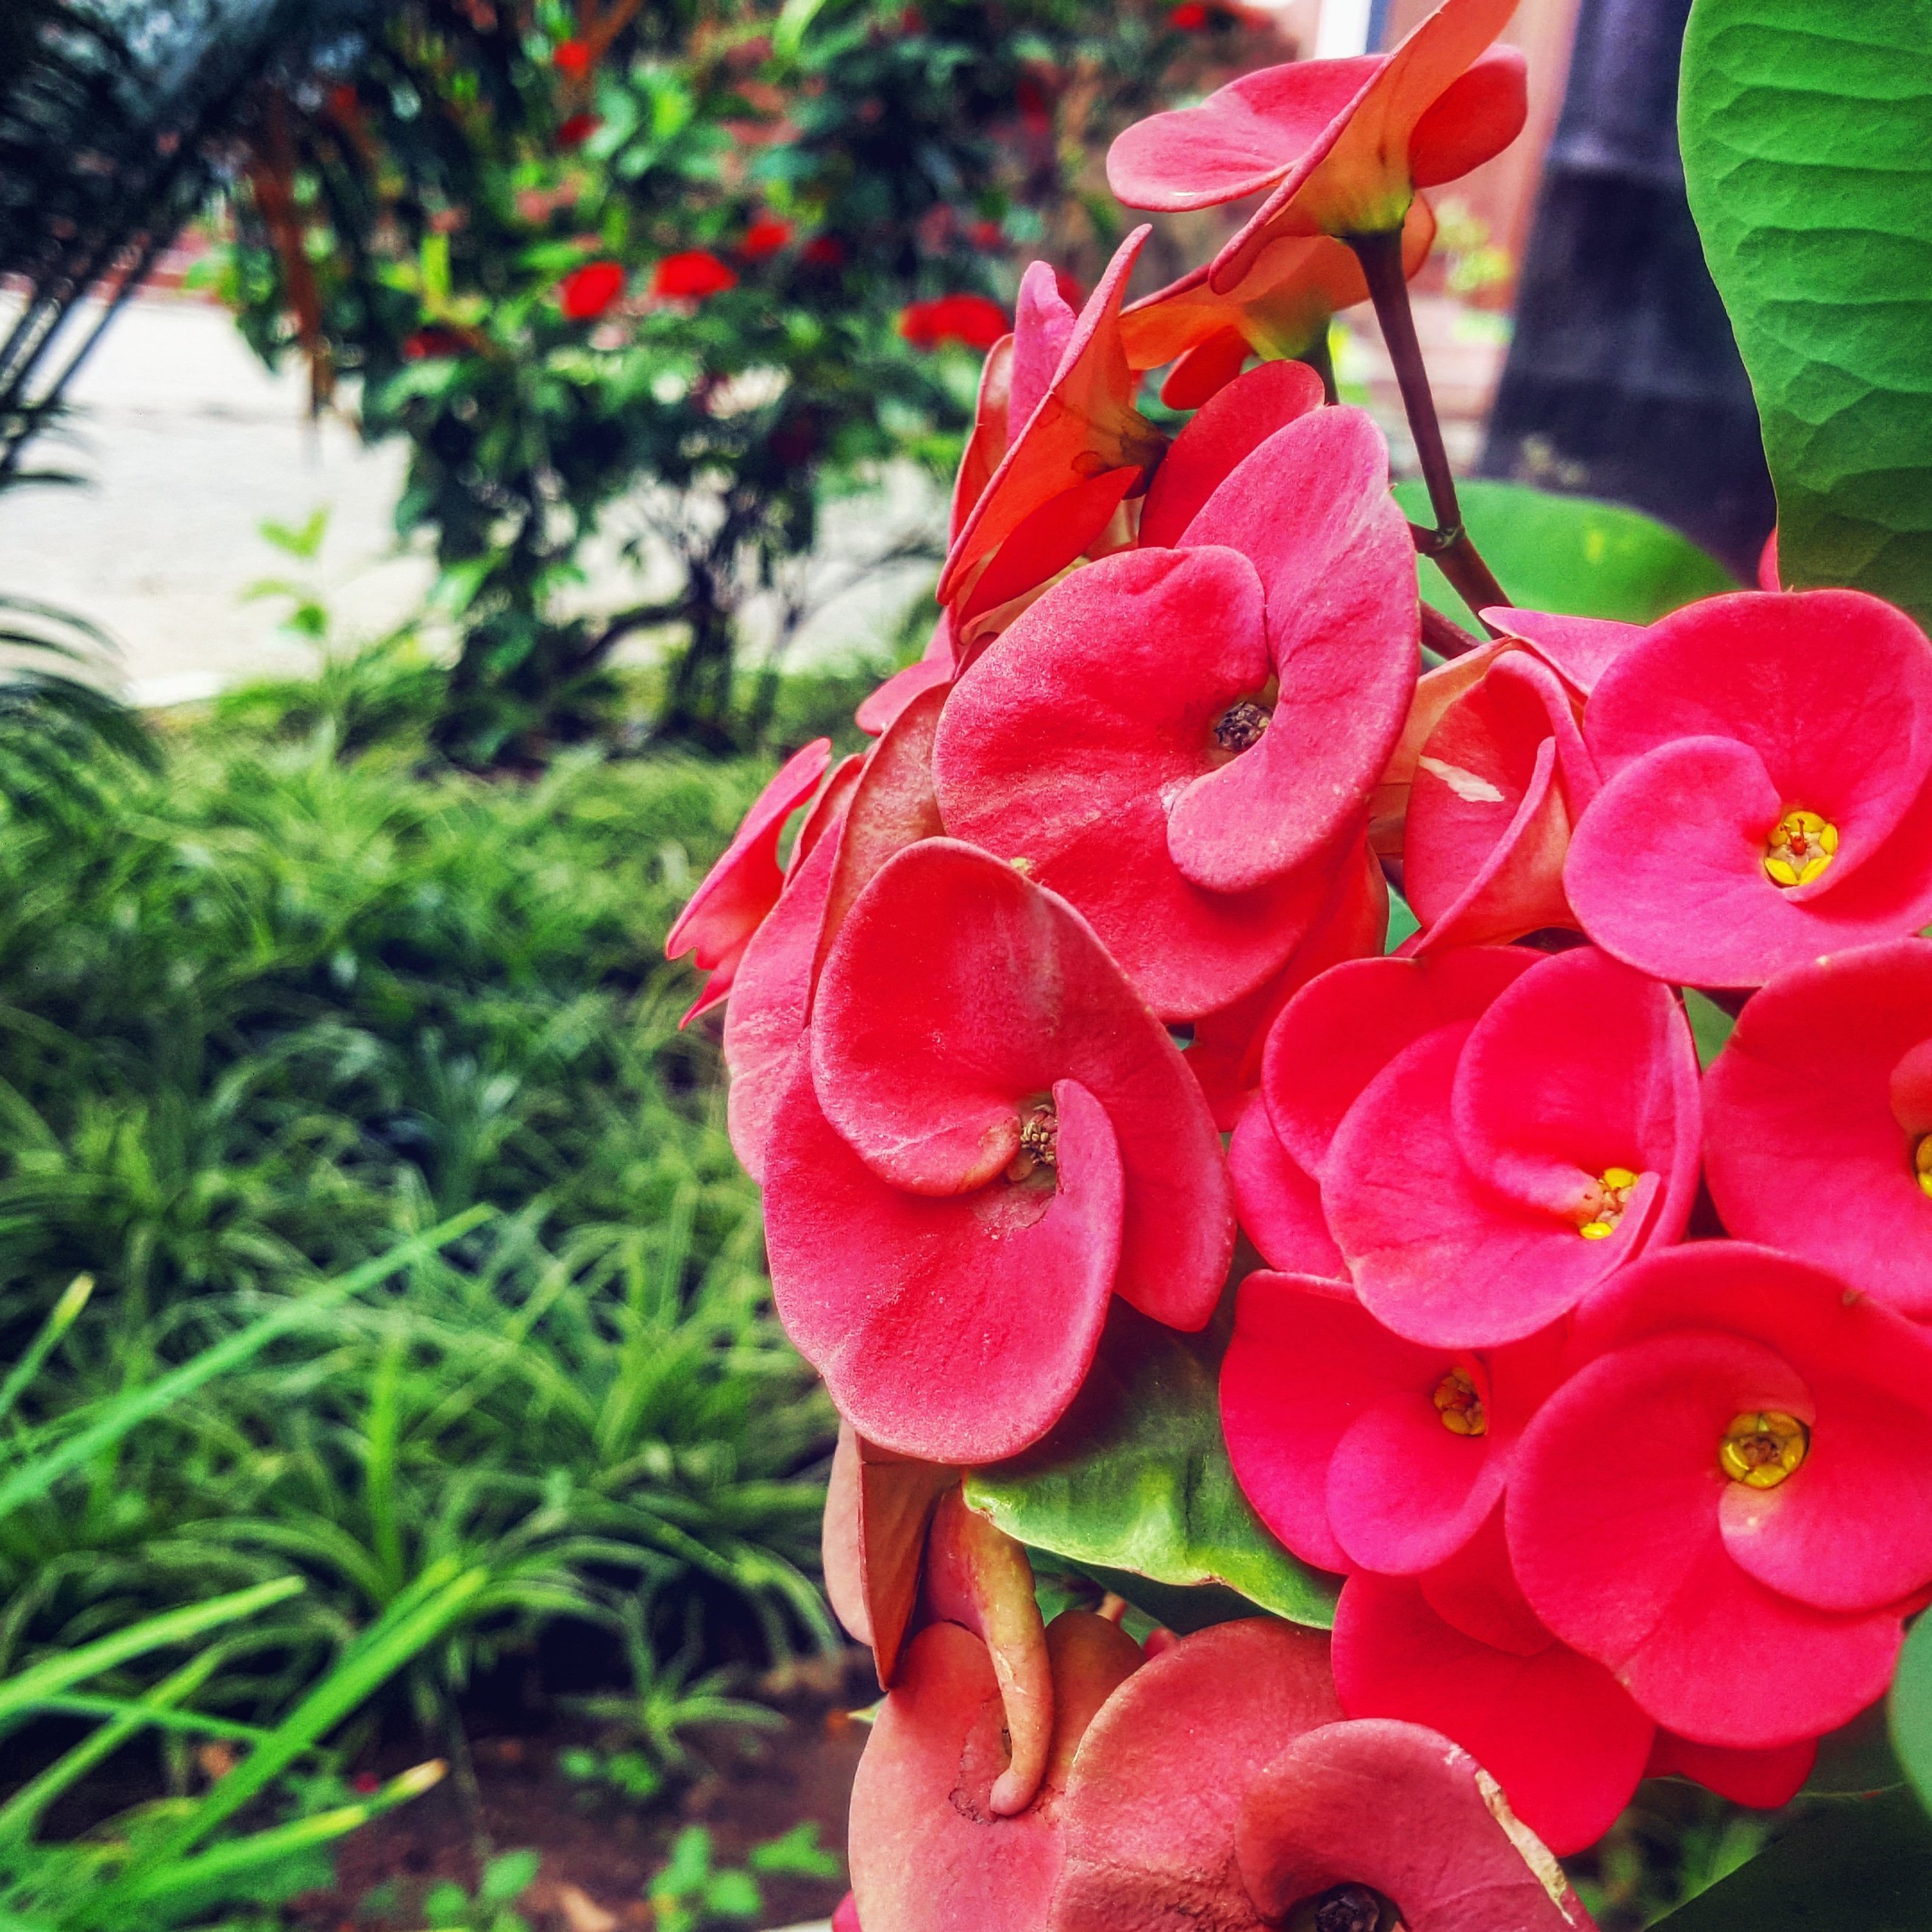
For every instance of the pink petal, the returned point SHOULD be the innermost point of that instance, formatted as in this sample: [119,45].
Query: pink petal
[1278,1202]
[1555,1730]
[1802,1088]
[1043,324]
[1477,115]
[1580,649]
[958,992]
[1305,1365]
[1405,1812]
[955,1329]
[1766,1779]
[1151,1808]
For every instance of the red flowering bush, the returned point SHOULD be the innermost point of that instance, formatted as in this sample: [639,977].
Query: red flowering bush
[1583,1395]
[585,293]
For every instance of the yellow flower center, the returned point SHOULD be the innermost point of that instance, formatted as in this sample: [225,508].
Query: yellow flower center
[1799,848]
[1460,1405]
[1608,1200]
[1763,1447]
[1921,1162]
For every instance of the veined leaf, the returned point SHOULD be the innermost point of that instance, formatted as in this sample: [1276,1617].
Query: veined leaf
[1575,555]
[1136,1479]
[1807,133]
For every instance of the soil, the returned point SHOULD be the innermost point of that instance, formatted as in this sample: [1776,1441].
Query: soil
[600,1850]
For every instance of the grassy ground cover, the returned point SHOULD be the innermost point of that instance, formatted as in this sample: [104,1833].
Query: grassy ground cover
[266,1013]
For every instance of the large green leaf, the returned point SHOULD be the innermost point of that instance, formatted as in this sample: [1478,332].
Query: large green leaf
[1571,554]
[1807,131]
[1136,1480]
[1857,1865]
[1911,1708]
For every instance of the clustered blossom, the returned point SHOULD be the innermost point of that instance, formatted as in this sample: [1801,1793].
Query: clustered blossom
[1597,1378]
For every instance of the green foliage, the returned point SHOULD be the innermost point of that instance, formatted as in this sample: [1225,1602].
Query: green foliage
[276,1010]
[1806,134]
[1135,1481]
[693,1891]
[1711,1025]
[1856,1865]
[411,217]
[1571,554]
[447,1907]
[1911,1709]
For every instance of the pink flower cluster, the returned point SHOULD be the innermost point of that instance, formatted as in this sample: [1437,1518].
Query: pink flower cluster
[1597,1377]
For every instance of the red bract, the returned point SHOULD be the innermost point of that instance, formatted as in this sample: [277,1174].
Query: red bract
[1330,1042]
[1338,146]
[1764,1779]
[1182,741]
[574,59]
[1829,1077]
[1393,1809]
[977,322]
[1730,1503]
[719,918]
[692,276]
[765,236]
[989,1134]
[1359,1449]
[587,293]
[1487,1179]
[1155,1790]
[1075,454]
[1280,307]
[1498,784]
[929,1851]
[1765,800]
[1552,1727]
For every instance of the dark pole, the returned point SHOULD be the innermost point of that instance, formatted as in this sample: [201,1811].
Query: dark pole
[1623,378]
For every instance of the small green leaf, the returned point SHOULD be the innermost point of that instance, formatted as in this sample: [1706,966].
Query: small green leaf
[505,1880]
[1911,1708]
[1807,133]
[797,1851]
[733,1895]
[1135,1478]
[1856,1865]
[1402,922]
[1571,554]
[1710,1025]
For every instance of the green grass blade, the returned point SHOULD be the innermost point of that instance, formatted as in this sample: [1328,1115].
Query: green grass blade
[394,1642]
[29,1483]
[62,1317]
[27,1690]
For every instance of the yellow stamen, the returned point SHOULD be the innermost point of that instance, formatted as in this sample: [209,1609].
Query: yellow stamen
[1460,1405]
[1763,1447]
[1921,1162]
[1801,846]
[1608,1200]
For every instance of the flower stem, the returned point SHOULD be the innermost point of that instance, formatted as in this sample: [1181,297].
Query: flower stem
[1318,358]
[1448,544]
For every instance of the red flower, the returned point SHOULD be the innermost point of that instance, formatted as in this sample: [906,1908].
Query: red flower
[972,320]
[823,251]
[575,129]
[846,1918]
[574,59]
[1362,1451]
[1190,17]
[1729,1504]
[1764,802]
[718,920]
[1829,1077]
[987,1135]
[364,1783]
[437,340]
[1396,1809]
[988,234]
[765,236]
[587,293]
[1118,737]
[1078,447]
[691,277]
[1339,146]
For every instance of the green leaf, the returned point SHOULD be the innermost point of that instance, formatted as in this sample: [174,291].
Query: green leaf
[1135,1478]
[1711,1026]
[1911,1708]
[1858,1864]
[1402,922]
[505,1880]
[1807,133]
[1571,554]
[796,1851]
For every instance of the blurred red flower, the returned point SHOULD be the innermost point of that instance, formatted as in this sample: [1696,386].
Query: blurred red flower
[765,236]
[973,320]
[576,129]
[823,251]
[585,293]
[692,276]
[573,58]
